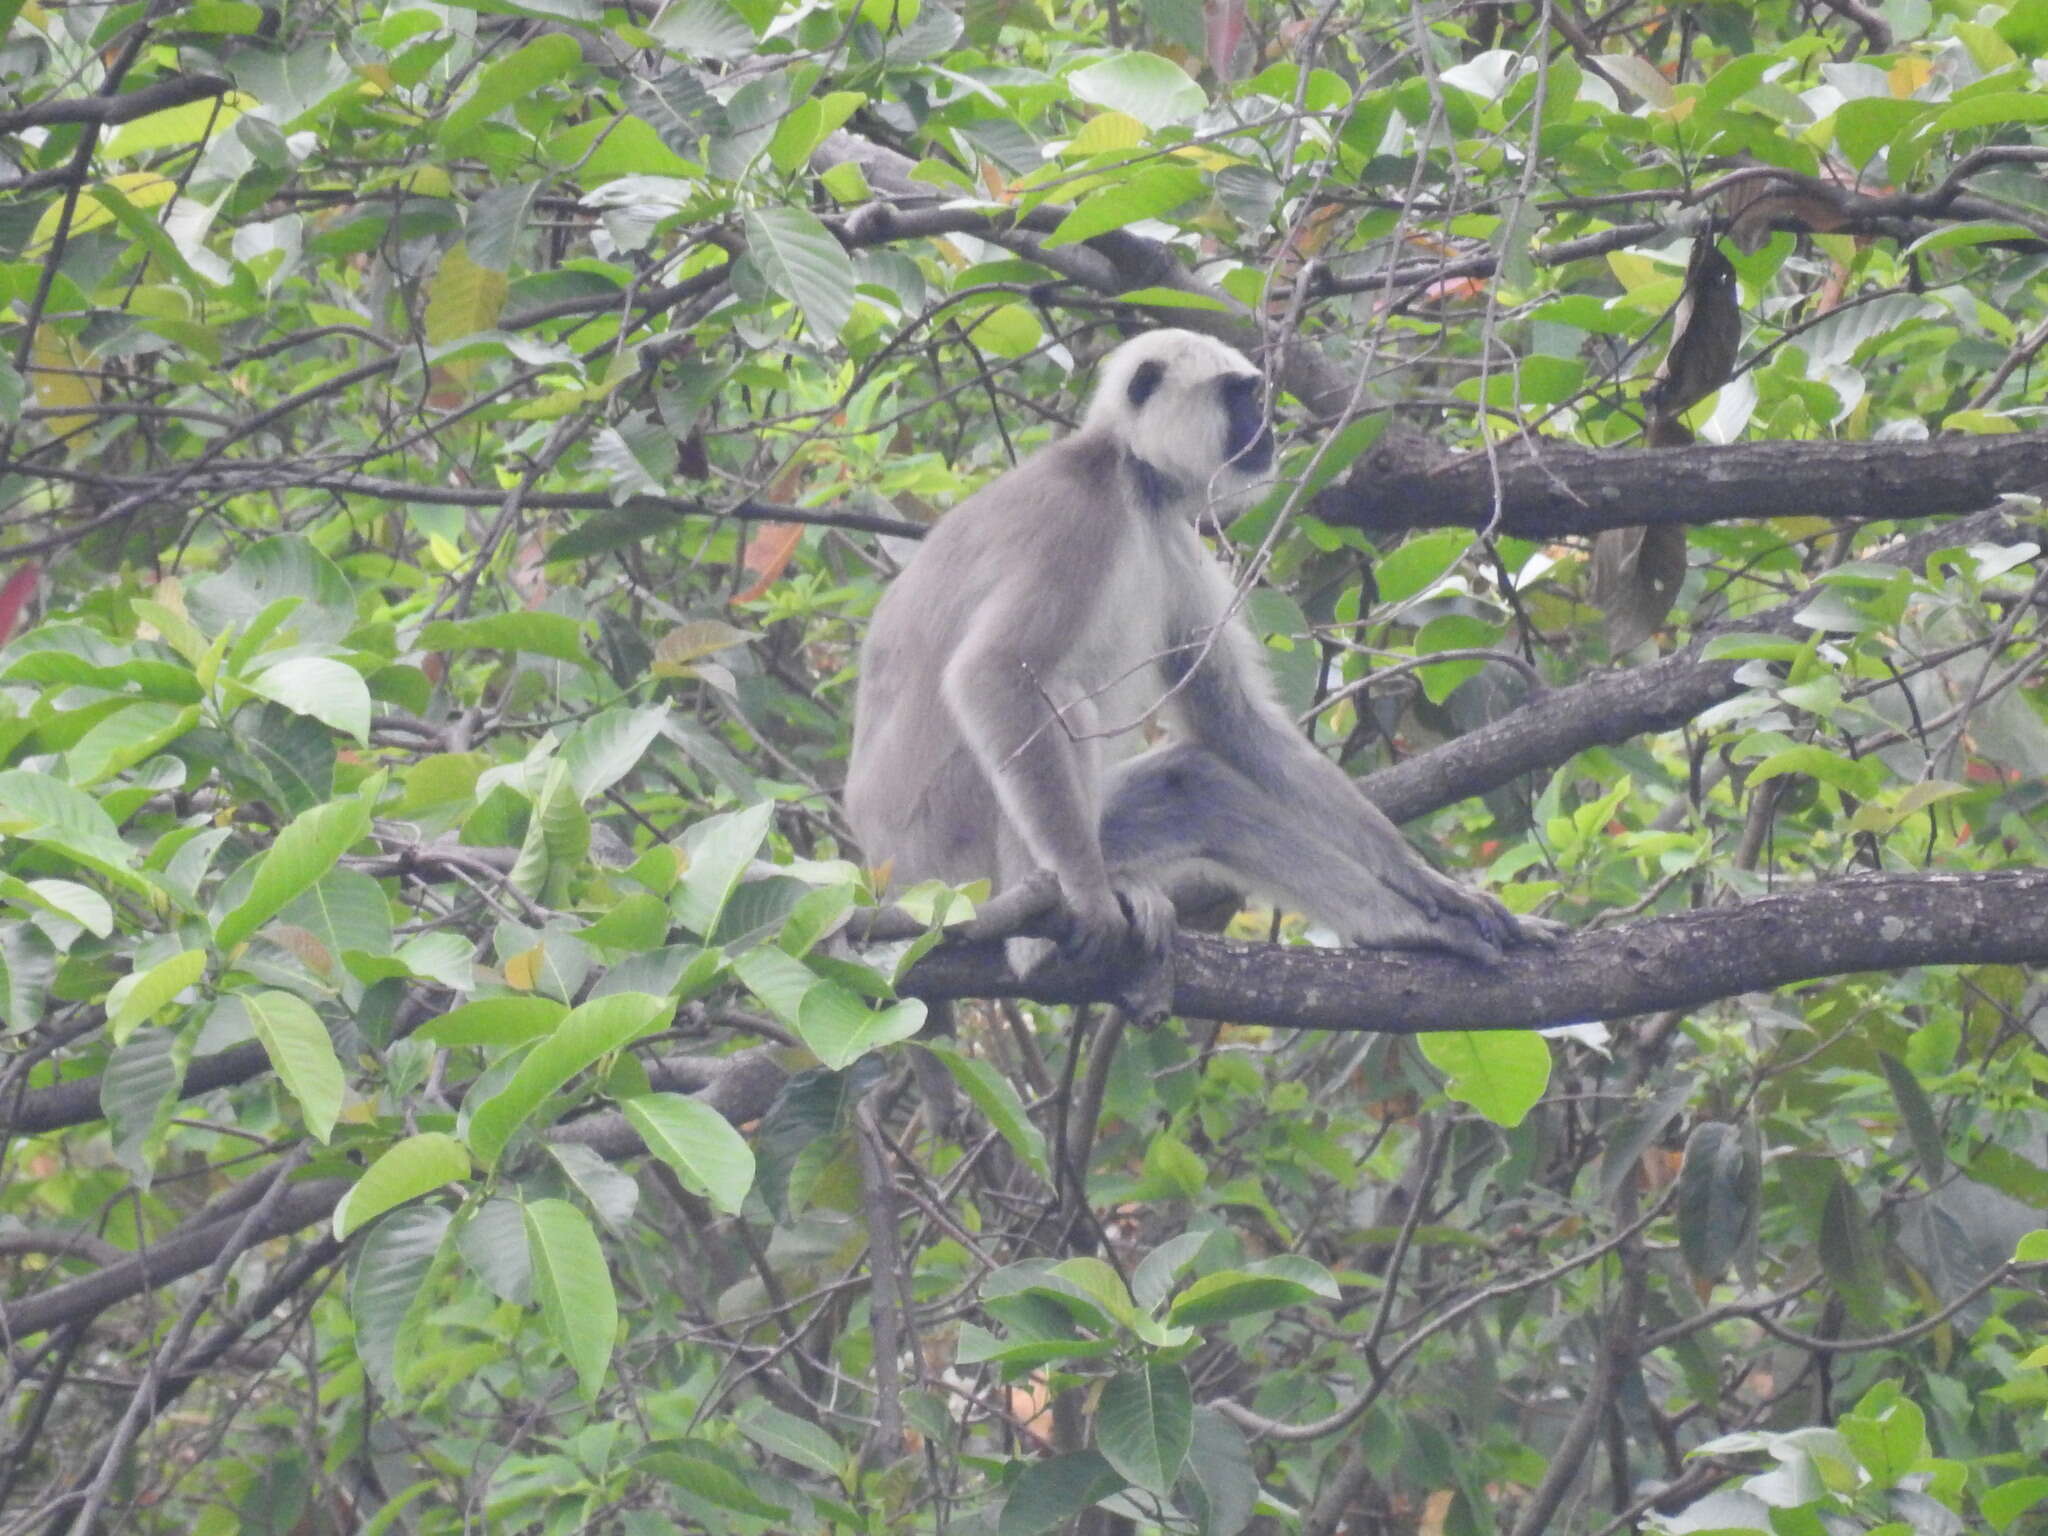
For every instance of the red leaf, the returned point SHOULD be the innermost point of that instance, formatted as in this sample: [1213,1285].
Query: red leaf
[768,554]
[15,595]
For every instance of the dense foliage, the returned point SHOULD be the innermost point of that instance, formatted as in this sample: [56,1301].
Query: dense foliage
[447,455]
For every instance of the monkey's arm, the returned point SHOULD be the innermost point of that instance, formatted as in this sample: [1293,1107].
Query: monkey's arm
[999,686]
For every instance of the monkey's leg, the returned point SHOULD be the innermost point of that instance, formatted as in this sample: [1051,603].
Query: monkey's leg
[1180,807]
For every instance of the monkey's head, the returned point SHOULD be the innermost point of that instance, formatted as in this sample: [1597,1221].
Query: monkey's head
[1190,411]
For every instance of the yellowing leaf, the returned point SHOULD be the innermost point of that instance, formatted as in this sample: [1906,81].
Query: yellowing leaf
[1909,74]
[143,189]
[1632,270]
[56,368]
[1106,131]
[692,642]
[465,298]
[177,125]
[523,969]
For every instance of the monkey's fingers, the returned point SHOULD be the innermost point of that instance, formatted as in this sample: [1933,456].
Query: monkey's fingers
[1149,911]
[1540,930]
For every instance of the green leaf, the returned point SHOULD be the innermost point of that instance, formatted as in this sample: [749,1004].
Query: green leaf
[540,634]
[710,1479]
[319,604]
[1145,1424]
[28,964]
[48,811]
[799,259]
[386,1285]
[1287,1280]
[1890,1440]
[793,1439]
[302,854]
[404,1171]
[137,1092]
[1420,563]
[1500,1073]
[325,689]
[841,1027]
[574,1287]
[493,1244]
[1050,1493]
[495,1021]
[464,298]
[807,126]
[1717,1199]
[1860,776]
[127,737]
[1917,1114]
[302,1052]
[136,998]
[1146,194]
[544,61]
[596,1029]
[719,850]
[698,1142]
[997,1099]
[67,898]
[1154,90]
[1849,1252]
[1221,1483]
[1984,111]
[602,751]
[346,911]
[2011,1499]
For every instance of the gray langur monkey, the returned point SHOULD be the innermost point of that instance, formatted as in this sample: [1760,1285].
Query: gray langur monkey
[1045,617]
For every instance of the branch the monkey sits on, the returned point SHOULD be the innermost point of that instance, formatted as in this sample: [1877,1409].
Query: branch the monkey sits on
[1008,668]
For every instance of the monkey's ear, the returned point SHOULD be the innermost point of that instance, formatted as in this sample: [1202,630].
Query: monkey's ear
[1144,380]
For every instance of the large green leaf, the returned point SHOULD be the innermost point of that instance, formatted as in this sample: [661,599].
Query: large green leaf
[1155,190]
[46,810]
[330,692]
[1049,1493]
[1500,1073]
[302,855]
[696,1141]
[1154,90]
[138,1090]
[596,1029]
[574,1288]
[135,998]
[302,1053]
[719,849]
[544,61]
[403,1171]
[1717,1192]
[800,260]
[386,1285]
[284,570]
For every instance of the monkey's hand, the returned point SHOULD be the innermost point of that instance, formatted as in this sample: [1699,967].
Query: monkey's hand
[1118,918]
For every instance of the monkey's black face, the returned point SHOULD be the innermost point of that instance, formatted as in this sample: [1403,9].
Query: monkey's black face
[1247,443]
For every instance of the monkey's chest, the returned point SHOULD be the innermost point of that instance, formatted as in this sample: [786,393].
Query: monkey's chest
[1114,677]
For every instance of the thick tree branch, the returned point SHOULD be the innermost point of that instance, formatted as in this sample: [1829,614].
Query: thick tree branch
[183,1252]
[112,110]
[1558,490]
[1558,723]
[1868,923]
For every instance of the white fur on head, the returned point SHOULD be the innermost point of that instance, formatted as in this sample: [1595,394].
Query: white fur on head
[1179,429]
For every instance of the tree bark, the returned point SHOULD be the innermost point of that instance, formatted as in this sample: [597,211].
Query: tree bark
[1554,490]
[1864,923]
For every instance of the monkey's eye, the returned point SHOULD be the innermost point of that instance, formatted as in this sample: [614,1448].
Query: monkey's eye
[1144,381]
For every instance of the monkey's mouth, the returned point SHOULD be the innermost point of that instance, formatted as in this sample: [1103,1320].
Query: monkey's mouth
[1254,457]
